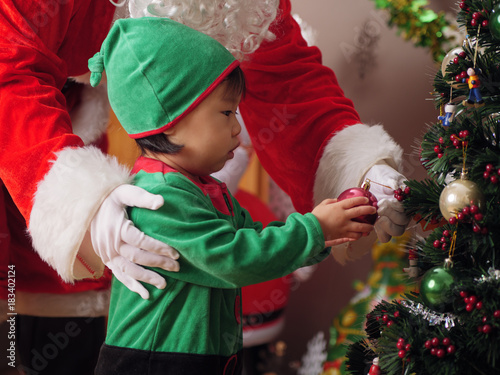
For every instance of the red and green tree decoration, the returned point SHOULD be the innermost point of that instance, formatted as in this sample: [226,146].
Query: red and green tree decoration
[452,325]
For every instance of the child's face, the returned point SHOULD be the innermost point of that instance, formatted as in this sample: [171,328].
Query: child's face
[208,133]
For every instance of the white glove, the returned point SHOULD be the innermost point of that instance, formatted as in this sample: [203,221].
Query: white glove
[392,221]
[123,248]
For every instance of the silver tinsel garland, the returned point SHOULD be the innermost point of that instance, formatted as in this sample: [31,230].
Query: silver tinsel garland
[449,320]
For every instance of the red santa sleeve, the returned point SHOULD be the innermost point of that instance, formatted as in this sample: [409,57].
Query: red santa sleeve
[56,183]
[307,134]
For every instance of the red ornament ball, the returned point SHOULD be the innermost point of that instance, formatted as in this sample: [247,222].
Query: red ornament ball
[360,192]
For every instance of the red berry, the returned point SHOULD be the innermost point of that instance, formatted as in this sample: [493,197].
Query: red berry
[485,319]
[498,171]
[428,344]
[453,137]
[462,54]
[401,340]
[476,15]
[399,198]
[473,22]
[401,353]
[478,217]
[390,323]
[452,220]
[433,351]
[446,341]
[435,341]
[496,314]
[443,239]
[440,353]
[451,349]
[441,140]
[396,315]
[455,60]
[469,307]
[473,299]
[400,345]
[440,155]
[385,318]
[463,5]
[474,209]
[464,294]
[476,228]
[460,216]
[466,300]
[444,246]
[486,329]
[461,133]
[463,74]
[407,190]
[486,175]
[489,167]
[465,132]
[494,179]
[479,305]
[485,23]
[457,78]
[456,142]
[484,231]
[466,210]
[437,244]
[407,347]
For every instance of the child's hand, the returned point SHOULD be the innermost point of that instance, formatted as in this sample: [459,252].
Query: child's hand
[336,221]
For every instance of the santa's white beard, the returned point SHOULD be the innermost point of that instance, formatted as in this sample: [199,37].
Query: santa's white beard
[239,25]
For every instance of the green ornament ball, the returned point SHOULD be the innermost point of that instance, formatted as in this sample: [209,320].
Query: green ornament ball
[494,24]
[435,289]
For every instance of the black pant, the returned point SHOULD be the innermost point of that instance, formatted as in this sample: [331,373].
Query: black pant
[59,346]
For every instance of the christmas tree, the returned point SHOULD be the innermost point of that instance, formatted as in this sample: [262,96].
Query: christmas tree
[452,325]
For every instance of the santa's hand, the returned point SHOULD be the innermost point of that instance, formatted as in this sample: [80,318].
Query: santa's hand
[123,248]
[393,220]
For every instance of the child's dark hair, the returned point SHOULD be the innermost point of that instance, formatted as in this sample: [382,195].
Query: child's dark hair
[159,143]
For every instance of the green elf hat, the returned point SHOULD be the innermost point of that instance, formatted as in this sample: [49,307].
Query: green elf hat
[158,71]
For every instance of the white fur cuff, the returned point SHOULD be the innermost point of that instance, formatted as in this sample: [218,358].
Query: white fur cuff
[66,201]
[349,155]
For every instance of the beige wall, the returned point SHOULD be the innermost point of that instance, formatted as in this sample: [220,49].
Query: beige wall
[393,93]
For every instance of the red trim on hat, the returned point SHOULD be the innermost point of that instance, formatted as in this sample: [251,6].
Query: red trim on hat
[193,105]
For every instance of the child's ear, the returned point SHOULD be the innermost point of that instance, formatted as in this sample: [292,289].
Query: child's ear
[170,131]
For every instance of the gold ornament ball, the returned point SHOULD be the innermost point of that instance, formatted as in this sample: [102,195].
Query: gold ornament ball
[458,194]
[449,58]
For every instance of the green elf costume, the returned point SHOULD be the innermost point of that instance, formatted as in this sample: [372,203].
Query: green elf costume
[158,71]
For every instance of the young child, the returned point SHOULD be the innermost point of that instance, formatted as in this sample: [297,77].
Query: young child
[176,91]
